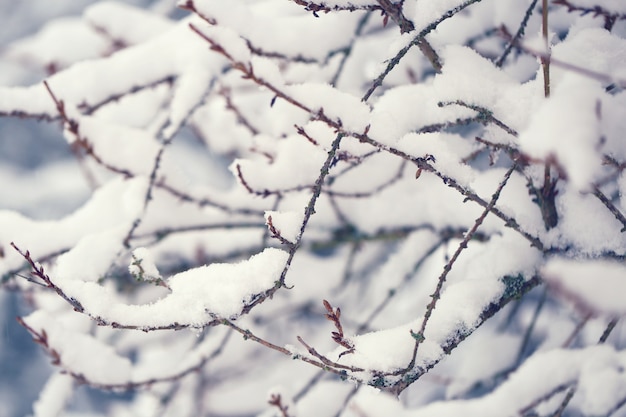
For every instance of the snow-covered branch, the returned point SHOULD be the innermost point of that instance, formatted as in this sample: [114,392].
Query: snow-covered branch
[424,198]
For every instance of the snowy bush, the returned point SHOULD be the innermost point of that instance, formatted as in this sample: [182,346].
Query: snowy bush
[344,208]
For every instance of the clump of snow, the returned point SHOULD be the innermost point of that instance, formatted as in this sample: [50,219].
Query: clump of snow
[187,96]
[266,31]
[143,265]
[91,257]
[342,108]
[555,369]
[290,158]
[110,209]
[123,22]
[55,394]
[443,151]
[585,224]
[384,350]
[491,355]
[49,46]
[566,128]
[197,295]
[228,40]
[268,71]
[591,49]
[409,107]
[81,353]
[593,285]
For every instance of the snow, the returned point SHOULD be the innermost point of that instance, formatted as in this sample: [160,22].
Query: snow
[290,157]
[91,82]
[112,207]
[143,265]
[446,151]
[422,13]
[593,285]
[323,400]
[91,256]
[342,108]
[49,45]
[116,144]
[187,96]
[407,108]
[227,39]
[54,396]
[238,158]
[197,296]
[81,353]
[590,49]
[124,22]
[574,141]
[599,231]
[556,368]
[492,355]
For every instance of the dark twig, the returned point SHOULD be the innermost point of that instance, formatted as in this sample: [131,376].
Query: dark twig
[545,59]
[205,201]
[241,119]
[424,165]
[324,364]
[609,17]
[602,77]
[392,292]
[338,336]
[326,361]
[484,115]
[416,41]
[319,7]
[610,206]
[275,233]
[531,326]
[39,272]
[518,35]
[394,11]
[607,331]
[276,401]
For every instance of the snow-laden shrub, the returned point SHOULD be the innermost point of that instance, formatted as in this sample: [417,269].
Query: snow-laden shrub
[310,209]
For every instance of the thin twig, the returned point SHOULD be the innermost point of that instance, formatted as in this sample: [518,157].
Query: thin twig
[531,326]
[394,11]
[347,51]
[419,335]
[572,390]
[408,377]
[609,205]
[609,17]
[518,35]
[42,339]
[416,41]
[156,166]
[545,59]
[324,363]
